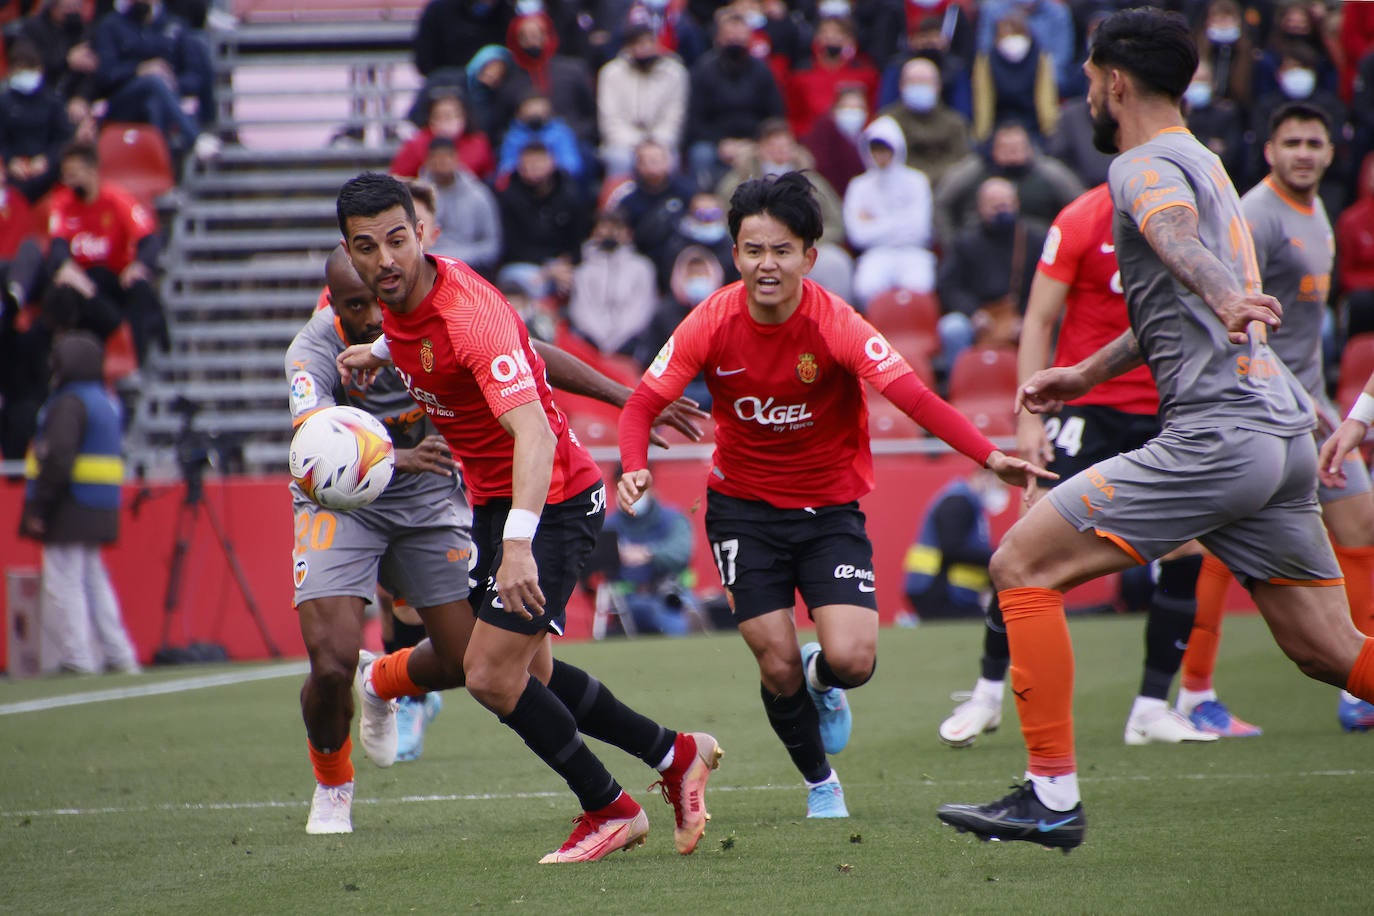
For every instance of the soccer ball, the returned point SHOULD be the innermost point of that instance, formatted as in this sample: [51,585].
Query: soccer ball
[342,458]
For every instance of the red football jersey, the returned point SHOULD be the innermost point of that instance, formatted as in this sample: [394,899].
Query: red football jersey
[1079,251]
[788,399]
[103,233]
[465,356]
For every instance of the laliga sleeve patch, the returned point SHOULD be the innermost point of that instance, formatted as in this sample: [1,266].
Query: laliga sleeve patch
[660,363]
[1051,249]
[303,396]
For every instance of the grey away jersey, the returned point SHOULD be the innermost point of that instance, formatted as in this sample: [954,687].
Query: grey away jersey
[1204,380]
[1295,249]
[314,383]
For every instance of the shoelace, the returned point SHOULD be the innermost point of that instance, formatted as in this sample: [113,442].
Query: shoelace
[586,825]
[672,794]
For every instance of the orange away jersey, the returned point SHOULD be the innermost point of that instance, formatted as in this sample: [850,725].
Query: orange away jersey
[1079,252]
[103,233]
[465,356]
[788,399]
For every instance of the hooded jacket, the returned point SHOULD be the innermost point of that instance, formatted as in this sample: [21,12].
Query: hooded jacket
[74,468]
[887,207]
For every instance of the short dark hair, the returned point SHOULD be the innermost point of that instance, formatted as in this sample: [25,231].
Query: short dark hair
[369,194]
[82,150]
[24,53]
[1298,111]
[1153,46]
[423,194]
[789,198]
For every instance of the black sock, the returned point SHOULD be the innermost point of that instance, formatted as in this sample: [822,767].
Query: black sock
[603,717]
[798,724]
[549,730]
[1172,609]
[996,650]
[404,636]
[828,678]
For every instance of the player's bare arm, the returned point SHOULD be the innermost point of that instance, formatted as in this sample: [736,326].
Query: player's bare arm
[1043,310]
[1172,233]
[631,486]
[570,374]
[517,579]
[432,456]
[1017,472]
[359,360]
[1047,390]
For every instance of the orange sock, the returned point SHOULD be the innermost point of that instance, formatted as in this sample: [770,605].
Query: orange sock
[334,768]
[1357,564]
[1201,658]
[1361,681]
[390,679]
[1041,676]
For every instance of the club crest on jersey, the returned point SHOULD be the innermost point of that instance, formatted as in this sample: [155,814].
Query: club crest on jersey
[299,570]
[807,369]
[426,354]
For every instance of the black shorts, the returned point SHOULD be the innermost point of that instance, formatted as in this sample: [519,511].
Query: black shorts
[567,533]
[766,555]
[1085,434]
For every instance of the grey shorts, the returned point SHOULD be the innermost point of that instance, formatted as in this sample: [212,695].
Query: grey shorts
[1249,497]
[419,549]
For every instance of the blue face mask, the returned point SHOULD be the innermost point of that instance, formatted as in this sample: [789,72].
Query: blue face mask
[641,505]
[920,98]
[1198,95]
[26,81]
[696,289]
[706,233]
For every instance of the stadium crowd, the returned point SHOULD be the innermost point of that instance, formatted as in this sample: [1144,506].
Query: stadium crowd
[583,154]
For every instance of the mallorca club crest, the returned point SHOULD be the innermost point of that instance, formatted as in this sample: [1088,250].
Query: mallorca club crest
[806,368]
[426,354]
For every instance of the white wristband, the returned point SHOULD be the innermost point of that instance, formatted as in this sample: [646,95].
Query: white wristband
[1363,410]
[521,524]
[381,349]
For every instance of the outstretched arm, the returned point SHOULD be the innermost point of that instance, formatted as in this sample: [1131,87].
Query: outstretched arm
[1047,390]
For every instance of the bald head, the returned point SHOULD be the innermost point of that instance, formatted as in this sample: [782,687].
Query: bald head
[359,313]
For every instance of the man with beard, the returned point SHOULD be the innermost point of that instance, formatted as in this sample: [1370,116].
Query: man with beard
[1233,466]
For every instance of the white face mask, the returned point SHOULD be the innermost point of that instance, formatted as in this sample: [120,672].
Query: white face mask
[1298,83]
[755,20]
[833,9]
[996,499]
[26,81]
[696,289]
[1223,34]
[919,98]
[1198,95]
[641,505]
[1014,47]
[850,121]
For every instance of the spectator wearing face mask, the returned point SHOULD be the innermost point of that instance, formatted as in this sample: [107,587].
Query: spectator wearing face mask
[1298,82]
[1043,185]
[732,93]
[936,136]
[701,228]
[656,199]
[613,295]
[776,152]
[695,274]
[535,121]
[543,220]
[60,31]
[945,38]
[640,95]
[451,32]
[33,125]
[1049,22]
[539,68]
[448,118]
[149,61]
[1014,81]
[464,209]
[833,141]
[887,213]
[835,61]
[1295,24]
[1216,121]
[1226,46]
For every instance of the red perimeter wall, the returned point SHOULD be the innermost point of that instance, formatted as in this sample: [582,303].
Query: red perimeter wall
[256,514]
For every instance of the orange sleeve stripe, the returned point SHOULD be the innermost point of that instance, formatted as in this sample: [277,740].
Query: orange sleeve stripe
[1308,583]
[1120,542]
[297,421]
[1164,206]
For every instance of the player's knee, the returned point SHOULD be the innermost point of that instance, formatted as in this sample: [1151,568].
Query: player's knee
[1007,569]
[853,666]
[332,672]
[781,674]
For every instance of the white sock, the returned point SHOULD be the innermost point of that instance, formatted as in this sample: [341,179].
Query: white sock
[810,673]
[1059,793]
[1349,697]
[1145,705]
[667,760]
[367,682]
[829,779]
[1188,700]
[989,691]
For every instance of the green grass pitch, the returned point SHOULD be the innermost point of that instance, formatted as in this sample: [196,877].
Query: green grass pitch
[195,801]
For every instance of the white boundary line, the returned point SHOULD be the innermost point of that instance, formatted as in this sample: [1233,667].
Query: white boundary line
[527,796]
[149,690]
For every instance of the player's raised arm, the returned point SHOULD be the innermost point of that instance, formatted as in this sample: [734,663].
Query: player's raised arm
[1047,390]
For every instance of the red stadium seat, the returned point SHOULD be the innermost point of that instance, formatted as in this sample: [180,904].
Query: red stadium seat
[887,421]
[120,360]
[980,371]
[904,310]
[918,347]
[1357,364]
[135,157]
[991,413]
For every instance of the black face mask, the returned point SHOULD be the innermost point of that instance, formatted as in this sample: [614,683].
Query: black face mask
[644,64]
[833,50]
[85,192]
[536,124]
[533,52]
[734,53]
[607,244]
[1014,171]
[73,24]
[140,12]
